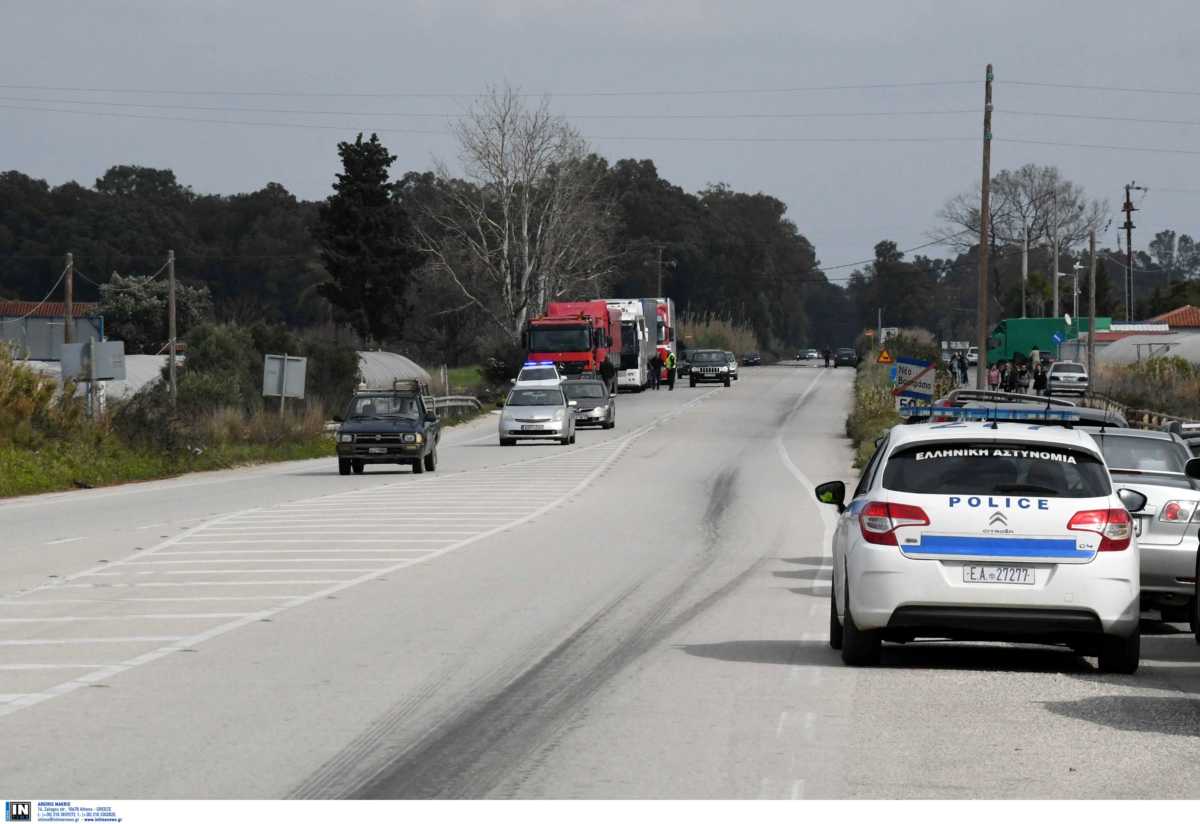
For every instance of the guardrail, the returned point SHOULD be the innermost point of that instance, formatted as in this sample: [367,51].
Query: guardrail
[439,403]
[1137,418]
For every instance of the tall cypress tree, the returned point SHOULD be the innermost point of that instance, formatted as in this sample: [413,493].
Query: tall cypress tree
[365,239]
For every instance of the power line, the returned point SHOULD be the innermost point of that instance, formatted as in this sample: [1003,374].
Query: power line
[444,94]
[1094,88]
[1113,118]
[1144,149]
[451,115]
[41,302]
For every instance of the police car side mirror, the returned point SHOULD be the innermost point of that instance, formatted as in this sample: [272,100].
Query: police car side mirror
[1133,500]
[1192,468]
[833,493]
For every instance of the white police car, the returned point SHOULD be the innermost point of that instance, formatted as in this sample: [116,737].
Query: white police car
[986,531]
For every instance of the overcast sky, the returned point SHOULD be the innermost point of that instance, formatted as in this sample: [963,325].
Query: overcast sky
[844,194]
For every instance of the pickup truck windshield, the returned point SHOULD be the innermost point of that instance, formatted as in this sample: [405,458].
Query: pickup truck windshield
[559,340]
[384,406]
[968,468]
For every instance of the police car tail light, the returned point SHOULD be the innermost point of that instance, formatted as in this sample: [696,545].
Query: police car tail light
[1178,512]
[879,521]
[1114,526]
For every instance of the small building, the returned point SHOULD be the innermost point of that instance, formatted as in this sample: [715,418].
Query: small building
[35,330]
[1184,320]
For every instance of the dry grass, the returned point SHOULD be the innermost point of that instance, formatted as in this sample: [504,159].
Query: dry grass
[711,332]
[1169,386]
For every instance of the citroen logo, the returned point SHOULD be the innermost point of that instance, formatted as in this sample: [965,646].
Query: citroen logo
[997,518]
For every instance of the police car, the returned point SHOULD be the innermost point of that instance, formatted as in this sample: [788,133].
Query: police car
[974,530]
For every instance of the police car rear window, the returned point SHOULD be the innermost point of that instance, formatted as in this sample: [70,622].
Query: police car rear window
[991,468]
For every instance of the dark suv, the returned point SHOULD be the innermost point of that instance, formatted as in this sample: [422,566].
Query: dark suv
[392,426]
[708,366]
[845,357]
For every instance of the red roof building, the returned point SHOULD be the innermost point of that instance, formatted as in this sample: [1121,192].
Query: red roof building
[1185,317]
[32,309]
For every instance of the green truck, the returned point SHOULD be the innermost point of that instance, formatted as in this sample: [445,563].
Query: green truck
[1018,336]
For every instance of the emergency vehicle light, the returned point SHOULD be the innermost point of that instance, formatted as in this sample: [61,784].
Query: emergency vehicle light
[984,414]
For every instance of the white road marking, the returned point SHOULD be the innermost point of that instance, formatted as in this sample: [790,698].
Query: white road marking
[151,526]
[64,541]
[66,619]
[783,716]
[268,561]
[131,639]
[207,583]
[827,519]
[24,667]
[810,725]
[605,454]
[798,789]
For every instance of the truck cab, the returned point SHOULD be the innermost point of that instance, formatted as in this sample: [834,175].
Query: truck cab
[389,426]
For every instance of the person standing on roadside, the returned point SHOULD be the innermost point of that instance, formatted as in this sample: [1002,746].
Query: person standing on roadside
[1035,357]
[993,378]
[826,354]
[671,371]
[608,373]
[656,366]
[1039,378]
[962,368]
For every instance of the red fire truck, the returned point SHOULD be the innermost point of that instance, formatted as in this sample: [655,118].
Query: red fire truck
[665,335]
[578,337]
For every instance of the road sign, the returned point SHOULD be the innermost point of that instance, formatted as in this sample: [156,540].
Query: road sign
[109,360]
[915,379]
[1057,337]
[886,333]
[885,357]
[283,376]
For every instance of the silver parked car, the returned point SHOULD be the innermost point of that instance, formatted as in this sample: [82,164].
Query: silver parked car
[537,413]
[1160,466]
[593,404]
[1066,378]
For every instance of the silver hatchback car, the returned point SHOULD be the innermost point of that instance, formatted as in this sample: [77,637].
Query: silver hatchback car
[1160,466]
[538,413]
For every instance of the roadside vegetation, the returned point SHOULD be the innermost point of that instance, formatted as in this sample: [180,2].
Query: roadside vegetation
[874,409]
[1165,385]
[703,331]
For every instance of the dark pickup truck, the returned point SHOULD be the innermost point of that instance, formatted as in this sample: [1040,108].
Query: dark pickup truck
[388,426]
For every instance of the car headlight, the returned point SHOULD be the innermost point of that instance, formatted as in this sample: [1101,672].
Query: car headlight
[724,368]
[559,414]
[346,438]
[408,437]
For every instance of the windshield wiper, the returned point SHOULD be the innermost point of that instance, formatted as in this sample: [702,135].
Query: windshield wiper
[365,418]
[1032,489]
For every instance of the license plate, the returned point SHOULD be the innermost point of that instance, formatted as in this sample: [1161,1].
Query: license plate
[530,428]
[989,574]
[377,450]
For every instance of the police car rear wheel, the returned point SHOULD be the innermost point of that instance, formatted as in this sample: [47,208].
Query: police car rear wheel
[835,626]
[860,647]
[1121,655]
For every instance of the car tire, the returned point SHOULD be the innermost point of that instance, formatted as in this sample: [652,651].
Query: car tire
[835,626]
[418,466]
[572,441]
[431,460]
[692,383]
[860,647]
[1121,655]
[508,441]
[727,383]
[358,466]
[564,441]
[343,466]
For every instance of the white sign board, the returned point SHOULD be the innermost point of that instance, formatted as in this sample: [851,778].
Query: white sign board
[283,376]
[886,333]
[914,383]
[109,356]
[960,344]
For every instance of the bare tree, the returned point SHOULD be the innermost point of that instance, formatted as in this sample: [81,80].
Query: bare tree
[528,222]
[1033,198]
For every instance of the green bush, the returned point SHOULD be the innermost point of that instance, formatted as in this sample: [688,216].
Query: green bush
[874,410]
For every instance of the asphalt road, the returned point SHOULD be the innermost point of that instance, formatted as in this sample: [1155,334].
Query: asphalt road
[641,615]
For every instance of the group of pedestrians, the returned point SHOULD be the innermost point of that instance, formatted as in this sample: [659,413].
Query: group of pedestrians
[657,365]
[1020,376]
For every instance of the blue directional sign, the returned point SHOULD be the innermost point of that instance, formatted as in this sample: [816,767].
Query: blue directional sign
[1058,338]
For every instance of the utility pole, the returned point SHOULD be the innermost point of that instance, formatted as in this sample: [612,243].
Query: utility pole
[1129,209]
[659,293]
[1024,270]
[1075,290]
[1091,343]
[171,320]
[981,319]
[69,300]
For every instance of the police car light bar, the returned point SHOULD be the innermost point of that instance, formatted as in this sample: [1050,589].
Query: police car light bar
[983,414]
[539,363]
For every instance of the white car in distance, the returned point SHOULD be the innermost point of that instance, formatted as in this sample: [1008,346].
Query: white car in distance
[986,531]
